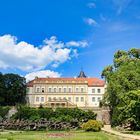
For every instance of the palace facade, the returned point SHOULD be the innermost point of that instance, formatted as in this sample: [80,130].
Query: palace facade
[82,92]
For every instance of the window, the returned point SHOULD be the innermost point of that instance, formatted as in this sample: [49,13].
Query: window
[42,99]
[27,99]
[93,99]
[69,98]
[64,89]
[54,89]
[50,90]
[60,98]
[76,89]
[37,90]
[82,99]
[99,99]
[65,98]
[69,89]
[54,98]
[82,90]
[93,90]
[49,99]
[43,90]
[59,89]
[77,99]
[27,90]
[37,99]
[99,90]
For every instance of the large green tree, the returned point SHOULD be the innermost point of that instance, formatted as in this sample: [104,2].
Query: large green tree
[12,89]
[122,77]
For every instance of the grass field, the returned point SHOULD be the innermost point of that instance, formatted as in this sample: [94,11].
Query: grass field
[132,132]
[72,135]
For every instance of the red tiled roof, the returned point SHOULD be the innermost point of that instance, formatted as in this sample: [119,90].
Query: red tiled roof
[90,81]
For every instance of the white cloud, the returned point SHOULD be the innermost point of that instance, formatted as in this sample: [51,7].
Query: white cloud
[102,17]
[77,44]
[120,5]
[91,5]
[90,21]
[119,27]
[27,57]
[42,74]
[75,54]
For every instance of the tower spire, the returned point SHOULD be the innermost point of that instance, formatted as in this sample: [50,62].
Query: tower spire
[82,74]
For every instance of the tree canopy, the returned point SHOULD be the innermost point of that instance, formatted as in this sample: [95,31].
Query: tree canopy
[12,89]
[123,81]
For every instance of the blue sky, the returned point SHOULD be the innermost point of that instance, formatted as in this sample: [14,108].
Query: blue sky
[58,37]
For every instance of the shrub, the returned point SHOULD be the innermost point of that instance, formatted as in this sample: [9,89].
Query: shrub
[45,113]
[4,111]
[101,124]
[92,125]
[59,114]
[65,118]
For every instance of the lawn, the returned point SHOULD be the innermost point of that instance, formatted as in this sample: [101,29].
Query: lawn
[62,135]
[132,132]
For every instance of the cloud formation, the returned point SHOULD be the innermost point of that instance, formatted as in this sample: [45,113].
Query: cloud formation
[120,27]
[91,5]
[27,57]
[90,21]
[82,44]
[42,74]
[120,5]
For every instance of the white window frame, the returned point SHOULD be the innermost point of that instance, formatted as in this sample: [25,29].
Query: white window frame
[93,99]
[98,90]
[82,99]
[42,99]
[37,99]
[93,90]
[77,99]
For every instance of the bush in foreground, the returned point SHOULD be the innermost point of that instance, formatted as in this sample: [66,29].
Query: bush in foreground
[59,114]
[92,125]
[3,111]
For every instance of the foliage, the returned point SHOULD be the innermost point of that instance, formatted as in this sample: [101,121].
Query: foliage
[122,77]
[92,125]
[4,111]
[129,111]
[59,114]
[12,89]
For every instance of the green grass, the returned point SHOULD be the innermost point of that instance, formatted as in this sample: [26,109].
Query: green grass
[132,132]
[72,135]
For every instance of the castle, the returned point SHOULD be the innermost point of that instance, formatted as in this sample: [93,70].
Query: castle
[81,92]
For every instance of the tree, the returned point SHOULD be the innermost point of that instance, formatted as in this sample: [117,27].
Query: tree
[2,88]
[12,89]
[129,110]
[122,77]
